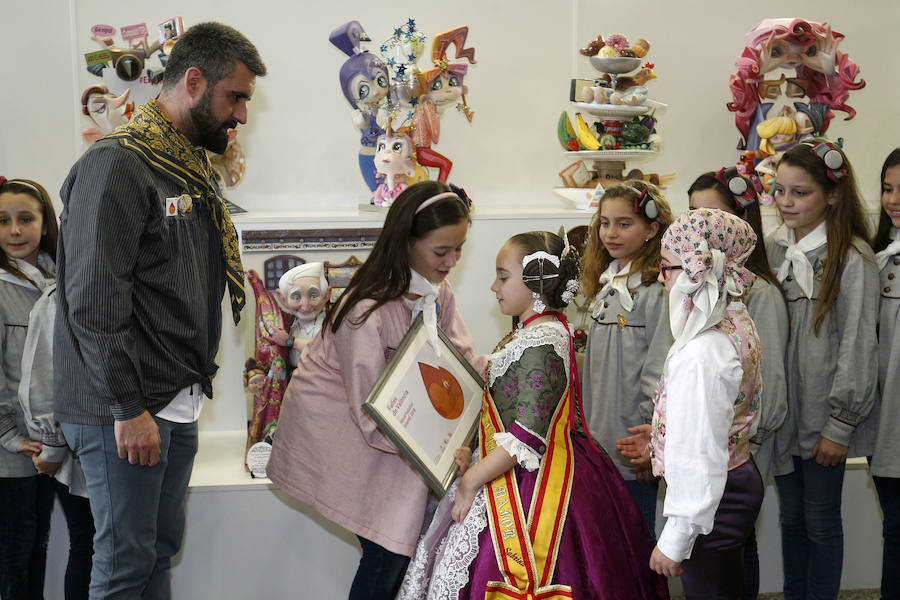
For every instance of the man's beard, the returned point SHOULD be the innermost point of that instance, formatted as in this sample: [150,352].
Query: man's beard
[211,134]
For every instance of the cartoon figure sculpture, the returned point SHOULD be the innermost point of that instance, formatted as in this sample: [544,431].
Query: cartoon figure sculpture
[439,88]
[130,72]
[364,82]
[822,73]
[128,62]
[303,291]
[271,356]
[105,110]
[254,375]
[395,160]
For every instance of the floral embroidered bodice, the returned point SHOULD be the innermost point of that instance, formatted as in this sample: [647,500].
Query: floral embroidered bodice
[739,328]
[527,375]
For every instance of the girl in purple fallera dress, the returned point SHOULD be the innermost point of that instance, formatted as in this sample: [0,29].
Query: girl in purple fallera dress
[544,513]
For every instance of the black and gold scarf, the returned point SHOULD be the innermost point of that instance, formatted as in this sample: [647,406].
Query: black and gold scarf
[157,141]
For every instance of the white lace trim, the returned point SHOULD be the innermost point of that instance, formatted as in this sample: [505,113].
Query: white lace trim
[551,333]
[455,555]
[527,457]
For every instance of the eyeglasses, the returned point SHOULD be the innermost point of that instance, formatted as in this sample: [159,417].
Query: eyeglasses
[664,269]
[771,89]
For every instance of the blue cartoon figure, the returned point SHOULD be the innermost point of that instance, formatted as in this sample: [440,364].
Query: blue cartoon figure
[365,83]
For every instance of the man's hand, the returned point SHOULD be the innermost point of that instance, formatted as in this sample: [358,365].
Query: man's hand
[138,440]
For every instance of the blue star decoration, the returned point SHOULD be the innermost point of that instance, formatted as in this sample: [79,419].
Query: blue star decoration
[398,32]
[384,47]
[412,58]
[401,69]
[390,62]
[411,23]
[409,115]
[414,101]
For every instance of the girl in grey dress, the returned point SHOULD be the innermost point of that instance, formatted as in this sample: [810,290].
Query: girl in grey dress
[630,334]
[730,191]
[885,467]
[824,262]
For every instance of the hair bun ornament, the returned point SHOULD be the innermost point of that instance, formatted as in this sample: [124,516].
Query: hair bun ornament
[571,289]
[540,255]
[833,159]
[743,192]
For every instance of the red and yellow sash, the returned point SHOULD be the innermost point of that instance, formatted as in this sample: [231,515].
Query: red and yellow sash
[526,549]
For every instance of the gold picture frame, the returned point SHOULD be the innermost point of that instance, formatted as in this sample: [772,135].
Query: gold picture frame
[428,406]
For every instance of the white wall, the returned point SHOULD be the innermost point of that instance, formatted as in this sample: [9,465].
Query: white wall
[301,146]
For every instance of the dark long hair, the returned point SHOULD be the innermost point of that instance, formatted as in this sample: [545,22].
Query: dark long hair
[883,235]
[844,220]
[758,261]
[385,274]
[48,214]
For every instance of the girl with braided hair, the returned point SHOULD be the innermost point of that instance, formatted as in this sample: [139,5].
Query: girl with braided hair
[484,542]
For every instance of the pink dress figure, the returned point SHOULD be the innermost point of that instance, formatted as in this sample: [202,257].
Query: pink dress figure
[395,159]
[439,88]
[267,401]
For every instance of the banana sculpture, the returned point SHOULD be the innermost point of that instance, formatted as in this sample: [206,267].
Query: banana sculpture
[585,136]
[566,133]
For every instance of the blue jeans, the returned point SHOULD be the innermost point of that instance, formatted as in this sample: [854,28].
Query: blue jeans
[812,534]
[25,507]
[889,497]
[80,524]
[380,573]
[138,511]
[644,495]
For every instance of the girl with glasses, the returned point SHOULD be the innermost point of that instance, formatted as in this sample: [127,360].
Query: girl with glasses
[704,409]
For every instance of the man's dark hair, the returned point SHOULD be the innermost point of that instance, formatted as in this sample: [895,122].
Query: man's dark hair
[213,48]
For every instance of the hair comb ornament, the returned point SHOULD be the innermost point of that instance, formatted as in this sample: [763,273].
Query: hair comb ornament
[645,205]
[742,191]
[833,159]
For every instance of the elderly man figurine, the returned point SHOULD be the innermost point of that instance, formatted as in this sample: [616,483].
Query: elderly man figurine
[303,291]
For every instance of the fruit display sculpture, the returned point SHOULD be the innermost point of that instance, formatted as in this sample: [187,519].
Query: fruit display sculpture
[614,119]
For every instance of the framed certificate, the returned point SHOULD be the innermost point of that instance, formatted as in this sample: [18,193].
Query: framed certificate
[427,405]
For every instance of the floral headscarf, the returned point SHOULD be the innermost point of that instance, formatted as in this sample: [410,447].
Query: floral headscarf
[713,246]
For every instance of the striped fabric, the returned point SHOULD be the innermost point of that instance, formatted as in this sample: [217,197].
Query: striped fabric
[139,293]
